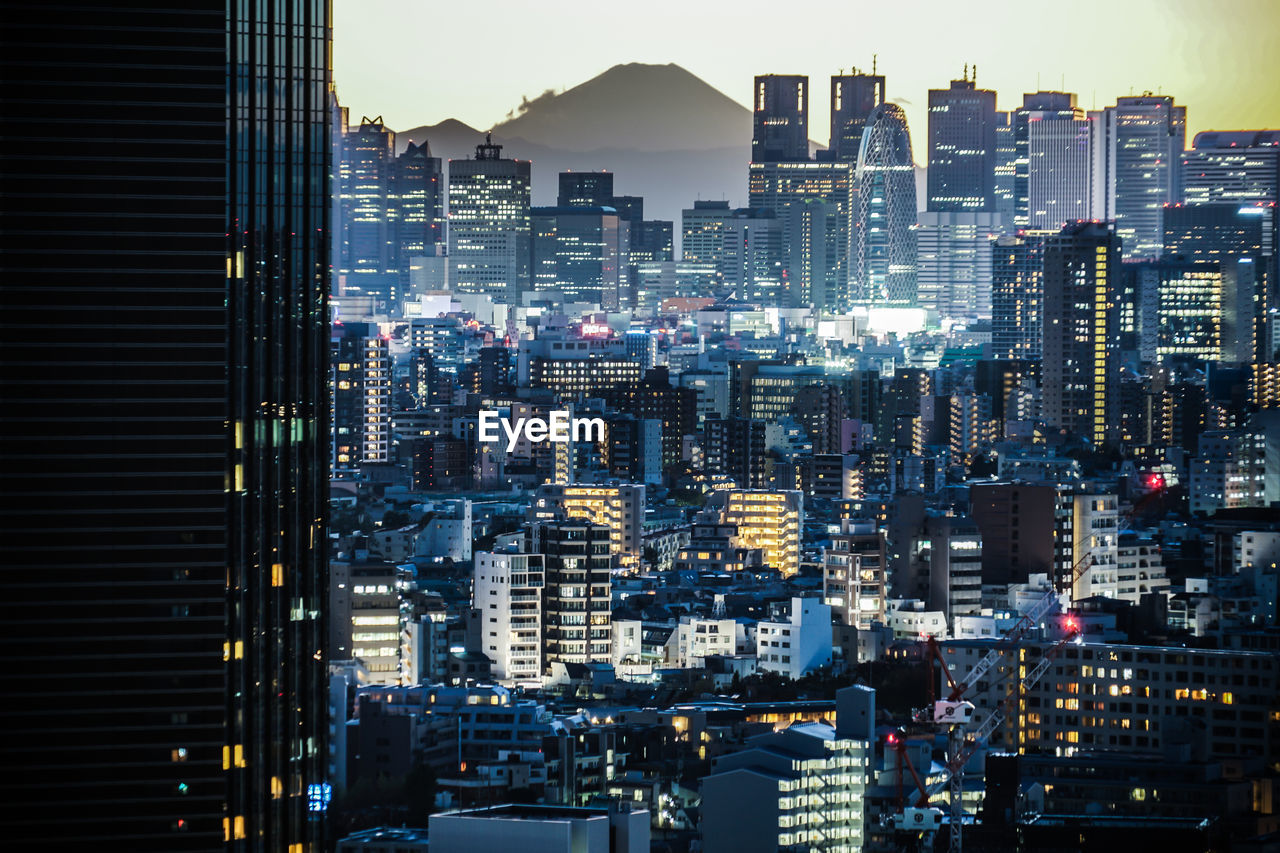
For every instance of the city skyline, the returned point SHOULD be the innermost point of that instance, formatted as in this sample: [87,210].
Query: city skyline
[370,79]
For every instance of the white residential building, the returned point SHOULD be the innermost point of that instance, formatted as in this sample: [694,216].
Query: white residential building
[698,638]
[798,645]
[507,594]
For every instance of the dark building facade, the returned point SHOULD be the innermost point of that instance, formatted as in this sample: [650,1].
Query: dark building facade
[853,97]
[164,569]
[962,148]
[781,126]
[1081,368]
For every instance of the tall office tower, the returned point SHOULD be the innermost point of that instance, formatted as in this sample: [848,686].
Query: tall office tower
[164,563]
[417,189]
[489,226]
[1138,161]
[1053,177]
[360,366]
[1005,166]
[884,245]
[1172,309]
[853,97]
[577,591]
[1237,166]
[1189,310]
[744,244]
[953,257]
[781,127]
[1241,239]
[580,252]
[1017,296]
[368,226]
[507,593]
[774,187]
[585,189]
[811,255]
[962,148]
[1081,265]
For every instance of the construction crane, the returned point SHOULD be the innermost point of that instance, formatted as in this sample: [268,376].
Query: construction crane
[956,713]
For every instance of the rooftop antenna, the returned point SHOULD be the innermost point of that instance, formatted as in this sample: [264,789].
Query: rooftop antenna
[966,72]
[874,57]
[975,72]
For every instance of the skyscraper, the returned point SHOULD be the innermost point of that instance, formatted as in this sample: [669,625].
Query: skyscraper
[1241,240]
[581,252]
[744,244]
[361,387]
[884,243]
[1017,296]
[954,263]
[1053,179]
[1139,157]
[489,225]
[367,231]
[1237,166]
[418,190]
[781,126]
[164,567]
[962,148]
[585,189]
[853,97]
[773,187]
[1080,369]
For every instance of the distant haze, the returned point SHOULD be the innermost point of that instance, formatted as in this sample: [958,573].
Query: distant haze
[659,129]
[418,63]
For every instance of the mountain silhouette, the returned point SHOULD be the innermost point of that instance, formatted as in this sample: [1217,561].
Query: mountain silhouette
[665,134]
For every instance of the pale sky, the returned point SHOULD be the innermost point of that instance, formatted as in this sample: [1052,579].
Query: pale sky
[418,62]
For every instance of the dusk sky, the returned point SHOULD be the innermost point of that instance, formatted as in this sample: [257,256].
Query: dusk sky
[416,62]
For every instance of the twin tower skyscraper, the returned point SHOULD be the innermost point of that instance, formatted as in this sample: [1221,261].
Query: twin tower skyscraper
[866,173]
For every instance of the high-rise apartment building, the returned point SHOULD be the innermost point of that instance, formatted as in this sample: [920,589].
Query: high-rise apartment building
[360,366]
[1081,268]
[576,596]
[1138,157]
[617,507]
[854,579]
[853,97]
[165,563]
[507,596]
[1017,296]
[781,123]
[489,224]
[884,245]
[962,148]
[768,520]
